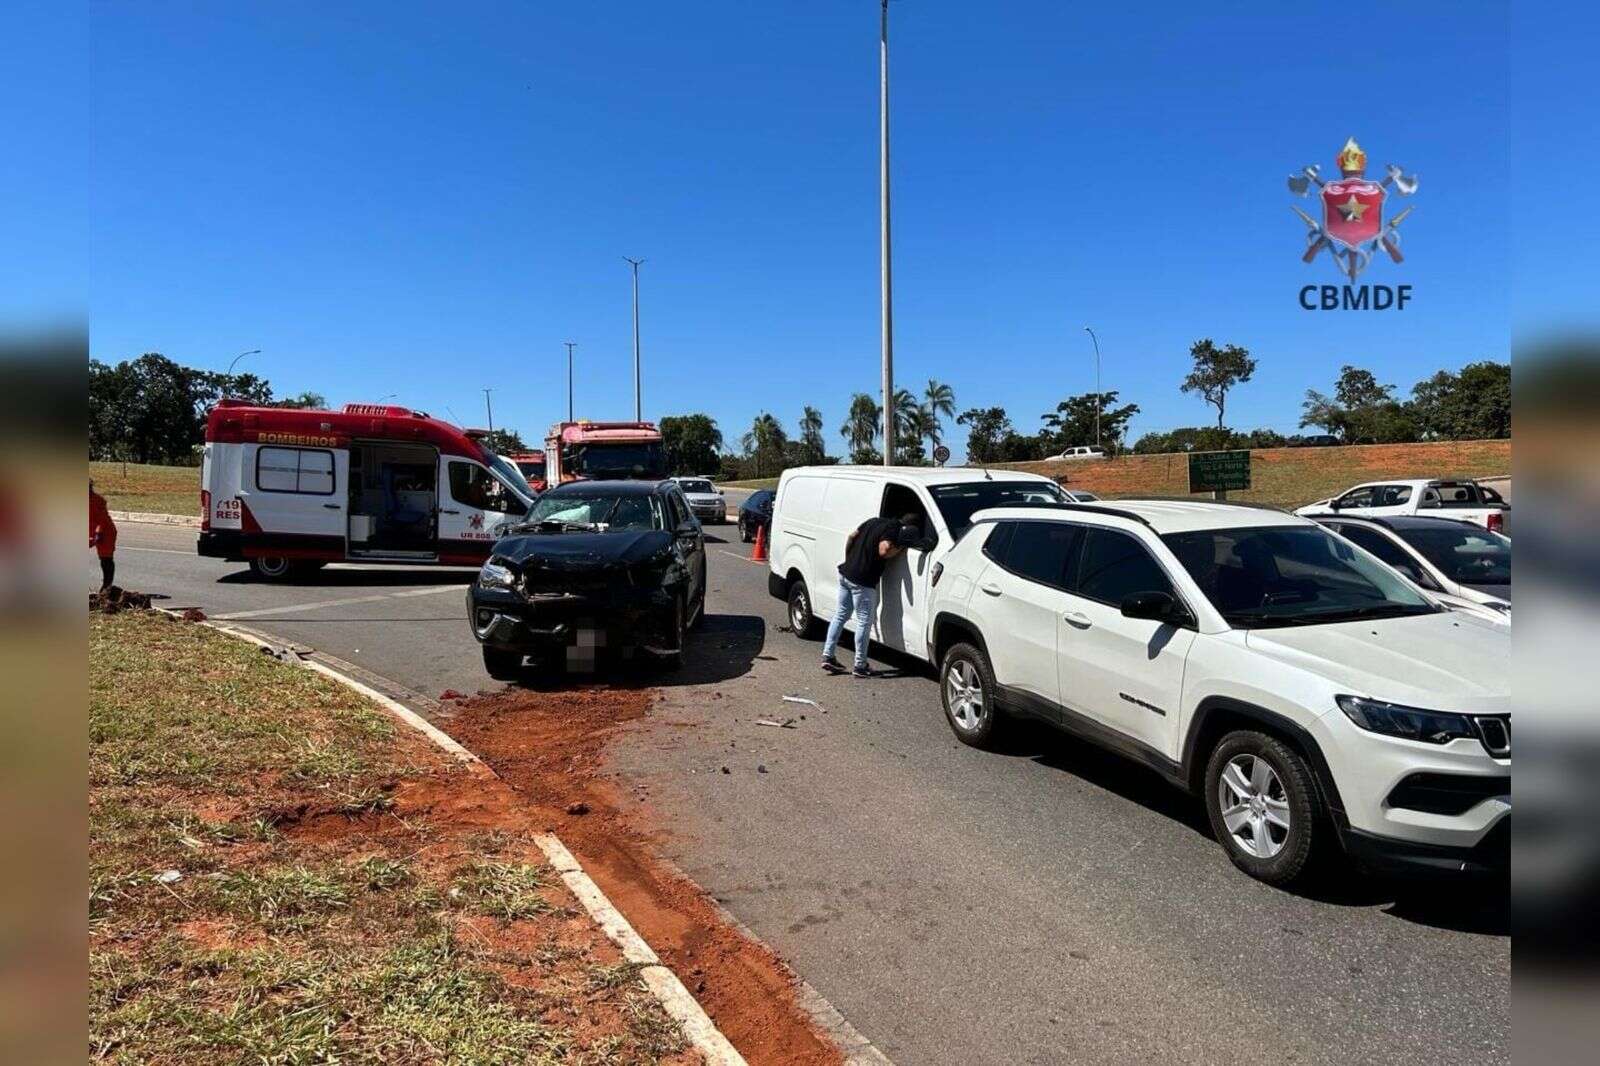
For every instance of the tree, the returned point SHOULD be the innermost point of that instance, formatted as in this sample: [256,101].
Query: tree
[937,399]
[692,443]
[1216,371]
[862,425]
[812,448]
[149,409]
[308,400]
[1361,411]
[764,443]
[504,442]
[1357,388]
[1473,404]
[908,425]
[987,428]
[1073,421]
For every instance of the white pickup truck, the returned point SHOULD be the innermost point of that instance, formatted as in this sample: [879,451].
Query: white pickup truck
[1462,499]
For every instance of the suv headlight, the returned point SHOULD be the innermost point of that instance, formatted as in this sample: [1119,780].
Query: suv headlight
[1411,723]
[495,576]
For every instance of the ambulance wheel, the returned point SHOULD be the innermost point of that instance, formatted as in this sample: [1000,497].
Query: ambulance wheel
[502,665]
[271,567]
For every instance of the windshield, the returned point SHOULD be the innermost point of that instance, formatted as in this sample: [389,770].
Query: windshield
[958,503]
[695,485]
[531,468]
[633,459]
[508,473]
[1291,575]
[598,510]
[1468,556]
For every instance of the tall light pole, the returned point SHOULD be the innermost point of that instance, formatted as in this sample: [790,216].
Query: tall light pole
[887,316]
[489,407]
[638,407]
[241,355]
[1097,396]
[570,345]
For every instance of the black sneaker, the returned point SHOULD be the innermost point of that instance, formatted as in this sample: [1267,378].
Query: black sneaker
[829,666]
[861,671]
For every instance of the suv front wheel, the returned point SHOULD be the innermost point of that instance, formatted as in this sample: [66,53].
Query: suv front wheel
[967,690]
[1263,805]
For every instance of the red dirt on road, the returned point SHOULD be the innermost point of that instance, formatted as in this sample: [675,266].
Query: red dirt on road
[550,747]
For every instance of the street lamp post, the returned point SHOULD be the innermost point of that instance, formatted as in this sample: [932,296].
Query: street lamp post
[887,314]
[1097,396]
[638,407]
[229,375]
[570,345]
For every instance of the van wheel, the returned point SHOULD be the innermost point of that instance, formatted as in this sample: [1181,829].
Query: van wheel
[801,619]
[967,690]
[271,567]
[1263,806]
[502,665]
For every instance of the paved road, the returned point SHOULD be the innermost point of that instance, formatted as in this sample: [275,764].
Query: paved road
[1048,904]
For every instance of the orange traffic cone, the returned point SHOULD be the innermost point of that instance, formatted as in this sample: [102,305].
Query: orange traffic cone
[758,554]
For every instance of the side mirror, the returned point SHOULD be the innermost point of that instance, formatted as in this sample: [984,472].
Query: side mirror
[1154,606]
[1334,504]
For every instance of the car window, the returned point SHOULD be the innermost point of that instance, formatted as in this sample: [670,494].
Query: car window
[1041,552]
[1452,494]
[473,486]
[614,510]
[695,485]
[901,500]
[959,502]
[1387,550]
[999,536]
[1114,566]
[1361,497]
[1290,575]
[1390,495]
[1468,555]
[680,509]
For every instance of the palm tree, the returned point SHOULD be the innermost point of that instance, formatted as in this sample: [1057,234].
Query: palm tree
[937,399]
[907,420]
[766,434]
[862,424]
[811,434]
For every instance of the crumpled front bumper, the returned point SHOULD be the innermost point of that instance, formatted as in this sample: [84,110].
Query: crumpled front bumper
[611,617]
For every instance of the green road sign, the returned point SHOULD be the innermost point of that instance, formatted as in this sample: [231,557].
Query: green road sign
[1219,471]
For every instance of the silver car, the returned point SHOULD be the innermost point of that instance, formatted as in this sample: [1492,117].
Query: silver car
[705,499]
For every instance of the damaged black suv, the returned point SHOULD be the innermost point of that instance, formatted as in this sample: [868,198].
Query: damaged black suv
[595,565]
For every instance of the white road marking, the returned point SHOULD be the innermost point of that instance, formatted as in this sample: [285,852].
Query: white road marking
[300,608]
[736,555]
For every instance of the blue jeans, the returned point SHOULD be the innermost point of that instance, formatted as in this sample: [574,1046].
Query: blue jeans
[858,598]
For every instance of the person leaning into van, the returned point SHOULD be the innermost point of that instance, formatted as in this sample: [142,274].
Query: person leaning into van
[866,553]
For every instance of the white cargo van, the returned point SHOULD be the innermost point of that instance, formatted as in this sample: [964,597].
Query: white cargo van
[818,507]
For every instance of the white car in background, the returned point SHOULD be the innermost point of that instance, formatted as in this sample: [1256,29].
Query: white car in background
[1087,451]
[1461,565]
[1310,696]
[705,499]
[1462,499]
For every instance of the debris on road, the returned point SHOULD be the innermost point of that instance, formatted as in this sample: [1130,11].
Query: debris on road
[787,723]
[761,767]
[116,599]
[169,877]
[193,614]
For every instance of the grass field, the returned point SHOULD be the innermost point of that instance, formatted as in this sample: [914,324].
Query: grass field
[279,873]
[154,489]
[1283,477]
[1287,477]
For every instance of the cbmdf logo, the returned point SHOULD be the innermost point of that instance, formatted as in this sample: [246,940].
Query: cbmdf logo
[1350,226]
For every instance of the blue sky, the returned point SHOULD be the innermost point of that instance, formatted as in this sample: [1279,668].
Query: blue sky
[427,199]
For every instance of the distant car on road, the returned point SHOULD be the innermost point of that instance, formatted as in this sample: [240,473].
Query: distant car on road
[756,513]
[1087,451]
[705,499]
[1464,500]
[1309,696]
[1462,565]
[596,564]
[1079,496]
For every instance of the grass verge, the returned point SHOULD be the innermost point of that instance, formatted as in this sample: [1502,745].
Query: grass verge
[148,488]
[252,899]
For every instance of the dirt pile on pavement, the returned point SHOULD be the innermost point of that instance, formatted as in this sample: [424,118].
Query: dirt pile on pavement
[550,746]
[114,599]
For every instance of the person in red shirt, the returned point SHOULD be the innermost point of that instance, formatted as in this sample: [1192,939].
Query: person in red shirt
[102,536]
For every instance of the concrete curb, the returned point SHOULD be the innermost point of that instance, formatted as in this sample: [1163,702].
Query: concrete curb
[151,518]
[698,1028]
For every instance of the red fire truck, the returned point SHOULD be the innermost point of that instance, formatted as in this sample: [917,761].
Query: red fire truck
[532,466]
[604,450]
[290,490]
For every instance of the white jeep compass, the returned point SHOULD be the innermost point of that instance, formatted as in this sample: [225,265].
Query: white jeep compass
[1300,686]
